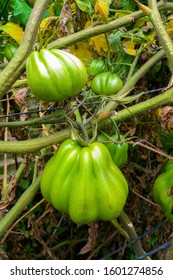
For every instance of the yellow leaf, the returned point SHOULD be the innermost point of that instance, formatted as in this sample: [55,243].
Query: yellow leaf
[99,44]
[169,28]
[14,30]
[129,47]
[49,21]
[102,8]
[82,51]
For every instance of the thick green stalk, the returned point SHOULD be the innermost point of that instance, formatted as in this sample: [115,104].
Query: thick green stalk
[159,100]
[17,65]
[102,28]
[128,225]
[35,145]
[163,36]
[56,117]
[20,205]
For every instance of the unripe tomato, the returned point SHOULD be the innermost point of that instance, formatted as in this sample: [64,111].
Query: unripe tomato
[163,191]
[10,50]
[96,67]
[84,182]
[106,83]
[55,75]
[118,151]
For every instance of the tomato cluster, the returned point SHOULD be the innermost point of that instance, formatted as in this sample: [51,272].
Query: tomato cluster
[104,82]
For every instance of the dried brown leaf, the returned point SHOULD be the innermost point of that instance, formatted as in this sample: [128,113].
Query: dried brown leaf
[91,239]
[20,96]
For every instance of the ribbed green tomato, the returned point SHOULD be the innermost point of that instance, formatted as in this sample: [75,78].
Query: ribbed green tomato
[84,182]
[106,83]
[55,75]
[96,67]
[10,50]
[118,151]
[163,191]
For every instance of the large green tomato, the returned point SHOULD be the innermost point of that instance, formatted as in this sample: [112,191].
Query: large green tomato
[106,83]
[118,151]
[163,191]
[84,182]
[55,75]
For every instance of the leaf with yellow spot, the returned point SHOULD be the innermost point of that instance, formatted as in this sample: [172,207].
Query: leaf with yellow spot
[102,8]
[14,30]
[99,44]
[129,47]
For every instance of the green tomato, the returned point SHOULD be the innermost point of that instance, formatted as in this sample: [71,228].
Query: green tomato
[10,50]
[106,83]
[55,75]
[96,67]
[163,191]
[84,182]
[118,151]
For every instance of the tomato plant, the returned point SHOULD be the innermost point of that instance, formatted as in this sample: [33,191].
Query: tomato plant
[55,75]
[84,182]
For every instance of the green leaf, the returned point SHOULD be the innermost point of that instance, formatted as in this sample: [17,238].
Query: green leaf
[84,6]
[21,12]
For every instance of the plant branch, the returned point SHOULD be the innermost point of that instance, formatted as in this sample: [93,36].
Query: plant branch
[128,225]
[35,145]
[17,65]
[20,205]
[103,28]
[56,117]
[163,36]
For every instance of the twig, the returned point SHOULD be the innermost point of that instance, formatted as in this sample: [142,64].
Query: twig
[4,185]
[132,233]
[163,36]
[20,205]
[23,216]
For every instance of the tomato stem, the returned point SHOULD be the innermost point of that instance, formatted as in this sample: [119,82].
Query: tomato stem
[120,229]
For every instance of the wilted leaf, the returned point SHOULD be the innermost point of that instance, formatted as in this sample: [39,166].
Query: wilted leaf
[47,22]
[91,239]
[99,44]
[65,26]
[102,8]
[20,96]
[165,116]
[14,30]
[129,47]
